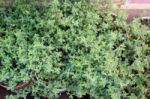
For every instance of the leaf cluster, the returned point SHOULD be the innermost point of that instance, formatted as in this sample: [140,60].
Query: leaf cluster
[71,44]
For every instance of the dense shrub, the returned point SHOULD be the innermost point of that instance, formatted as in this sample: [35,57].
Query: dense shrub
[70,44]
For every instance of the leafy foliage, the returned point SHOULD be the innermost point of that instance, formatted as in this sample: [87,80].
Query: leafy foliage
[70,44]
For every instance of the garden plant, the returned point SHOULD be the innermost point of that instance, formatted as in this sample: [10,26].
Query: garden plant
[72,45]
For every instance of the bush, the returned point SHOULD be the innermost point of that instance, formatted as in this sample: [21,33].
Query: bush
[70,44]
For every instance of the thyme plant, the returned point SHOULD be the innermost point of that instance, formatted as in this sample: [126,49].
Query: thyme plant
[73,45]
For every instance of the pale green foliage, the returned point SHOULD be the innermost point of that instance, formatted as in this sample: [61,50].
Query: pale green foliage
[69,44]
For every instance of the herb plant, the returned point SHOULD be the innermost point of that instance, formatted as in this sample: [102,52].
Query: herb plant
[73,45]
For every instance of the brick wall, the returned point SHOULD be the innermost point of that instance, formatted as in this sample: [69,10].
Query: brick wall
[138,1]
[135,8]
[132,1]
